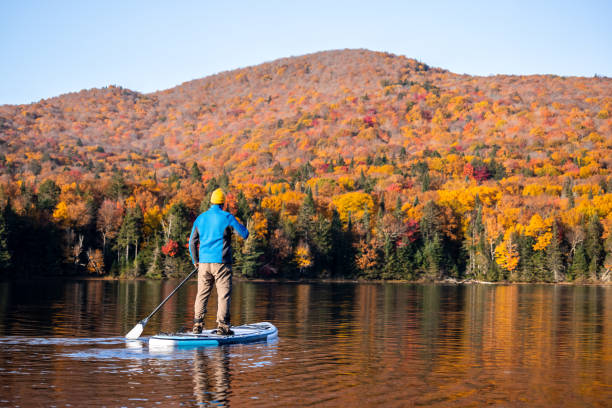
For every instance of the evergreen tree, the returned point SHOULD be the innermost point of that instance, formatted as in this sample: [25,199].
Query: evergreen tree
[540,272]
[248,261]
[593,246]
[580,266]
[223,180]
[365,222]
[347,247]
[306,215]
[529,264]
[305,172]
[211,186]
[315,230]
[178,221]
[433,255]
[321,243]
[391,268]
[398,207]
[195,173]
[430,221]
[452,257]
[243,211]
[496,169]
[362,181]
[118,188]
[27,197]
[130,232]
[567,192]
[421,171]
[554,255]
[406,257]
[165,159]
[277,170]
[48,195]
[341,247]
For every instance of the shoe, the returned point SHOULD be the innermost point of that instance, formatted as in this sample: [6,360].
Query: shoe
[197,326]
[224,331]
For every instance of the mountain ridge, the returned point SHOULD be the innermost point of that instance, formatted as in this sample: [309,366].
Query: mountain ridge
[290,59]
[182,120]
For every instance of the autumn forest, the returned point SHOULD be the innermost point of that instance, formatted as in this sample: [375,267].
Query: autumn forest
[344,164]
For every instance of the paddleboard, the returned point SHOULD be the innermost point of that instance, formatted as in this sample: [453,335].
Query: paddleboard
[246,333]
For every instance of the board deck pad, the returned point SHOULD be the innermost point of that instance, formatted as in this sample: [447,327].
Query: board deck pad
[247,333]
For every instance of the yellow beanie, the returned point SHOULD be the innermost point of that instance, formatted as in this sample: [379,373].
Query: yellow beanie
[217,197]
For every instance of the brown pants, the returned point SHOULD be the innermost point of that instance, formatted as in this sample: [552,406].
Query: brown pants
[221,275]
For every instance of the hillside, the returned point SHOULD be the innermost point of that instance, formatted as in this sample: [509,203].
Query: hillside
[321,98]
[357,129]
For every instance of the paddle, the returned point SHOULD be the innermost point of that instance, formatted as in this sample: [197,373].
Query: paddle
[137,330]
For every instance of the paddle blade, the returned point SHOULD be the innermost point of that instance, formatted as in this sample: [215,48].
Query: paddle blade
[135,332]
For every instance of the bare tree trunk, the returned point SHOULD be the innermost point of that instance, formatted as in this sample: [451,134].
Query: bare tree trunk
[167,228]
[77,249]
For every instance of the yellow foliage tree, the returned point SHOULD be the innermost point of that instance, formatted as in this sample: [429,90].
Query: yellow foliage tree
[355,203]
[259,225]
[506,254]
[302,255]
[540,229]
[152,220]
[72,215]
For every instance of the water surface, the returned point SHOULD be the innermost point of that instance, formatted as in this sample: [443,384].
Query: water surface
[340,344]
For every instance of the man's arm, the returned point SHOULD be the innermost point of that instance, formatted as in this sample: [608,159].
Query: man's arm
[194,240]
[240,229]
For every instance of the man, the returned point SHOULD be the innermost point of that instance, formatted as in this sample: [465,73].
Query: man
[214,261]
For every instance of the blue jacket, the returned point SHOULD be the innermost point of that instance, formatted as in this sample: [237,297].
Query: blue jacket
[212,230]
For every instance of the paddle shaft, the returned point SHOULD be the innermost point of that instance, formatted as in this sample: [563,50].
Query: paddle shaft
[146,319]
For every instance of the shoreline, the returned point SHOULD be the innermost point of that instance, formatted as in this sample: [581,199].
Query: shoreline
[447,281]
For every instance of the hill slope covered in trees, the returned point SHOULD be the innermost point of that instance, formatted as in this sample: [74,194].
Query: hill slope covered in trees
[345,163]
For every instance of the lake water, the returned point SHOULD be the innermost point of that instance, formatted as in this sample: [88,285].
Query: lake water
[340,344]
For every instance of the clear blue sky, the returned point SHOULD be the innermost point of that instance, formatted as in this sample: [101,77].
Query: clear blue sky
[52,47]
